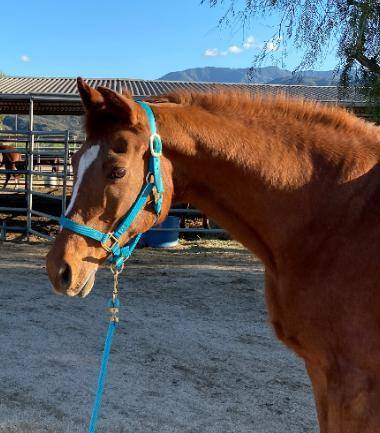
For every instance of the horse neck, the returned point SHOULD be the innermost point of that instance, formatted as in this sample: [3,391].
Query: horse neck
[230,172]
[266,191]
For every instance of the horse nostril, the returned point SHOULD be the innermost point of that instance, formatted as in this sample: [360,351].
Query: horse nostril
[64,275]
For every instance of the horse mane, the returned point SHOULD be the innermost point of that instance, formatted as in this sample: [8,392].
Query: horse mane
[247,105]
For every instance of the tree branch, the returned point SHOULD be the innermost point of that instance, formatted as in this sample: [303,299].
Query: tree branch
[358,50]
[353,3]
[370,64]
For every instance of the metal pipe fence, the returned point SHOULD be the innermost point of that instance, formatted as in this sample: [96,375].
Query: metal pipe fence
[42,151]
[37,161]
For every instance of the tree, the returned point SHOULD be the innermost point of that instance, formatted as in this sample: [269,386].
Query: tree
[352,26]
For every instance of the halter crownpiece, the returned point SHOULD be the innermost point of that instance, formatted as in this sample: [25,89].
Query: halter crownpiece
[154,184]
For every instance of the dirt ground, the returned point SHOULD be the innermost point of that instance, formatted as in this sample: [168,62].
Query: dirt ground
[194,352]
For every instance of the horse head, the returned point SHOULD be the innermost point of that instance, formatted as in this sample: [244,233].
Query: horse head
[110,170]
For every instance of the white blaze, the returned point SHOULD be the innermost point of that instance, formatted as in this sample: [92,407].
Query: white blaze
[85,161]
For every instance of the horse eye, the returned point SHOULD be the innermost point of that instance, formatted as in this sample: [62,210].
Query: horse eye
[118,173]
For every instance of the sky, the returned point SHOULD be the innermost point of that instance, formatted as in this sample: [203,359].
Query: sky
[127,38]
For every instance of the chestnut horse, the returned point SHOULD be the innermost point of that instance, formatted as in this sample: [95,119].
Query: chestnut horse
[295,182]
[10,160]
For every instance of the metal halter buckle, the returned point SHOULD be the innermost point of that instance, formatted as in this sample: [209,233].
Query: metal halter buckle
[149,178]
[156,195]
[151,145]
[114,241]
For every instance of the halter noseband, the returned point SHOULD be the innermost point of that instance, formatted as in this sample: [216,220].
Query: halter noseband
[111,241]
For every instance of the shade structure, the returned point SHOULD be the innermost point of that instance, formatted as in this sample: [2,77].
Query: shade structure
[52,95]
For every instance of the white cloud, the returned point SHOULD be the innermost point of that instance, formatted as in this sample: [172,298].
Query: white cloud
[24,58]
[234,49]
[211,52]
[273,44]
[249,43]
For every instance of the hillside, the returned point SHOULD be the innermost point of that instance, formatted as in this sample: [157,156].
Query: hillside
[44,123]
[267,75]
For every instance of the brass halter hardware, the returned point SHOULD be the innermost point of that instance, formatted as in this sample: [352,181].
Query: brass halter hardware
[114,308]
[114,241]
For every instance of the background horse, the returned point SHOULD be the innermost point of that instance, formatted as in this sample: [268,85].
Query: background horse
[11,161]
[297,183]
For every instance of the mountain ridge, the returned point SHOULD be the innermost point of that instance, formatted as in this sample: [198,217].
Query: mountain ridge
[264,75]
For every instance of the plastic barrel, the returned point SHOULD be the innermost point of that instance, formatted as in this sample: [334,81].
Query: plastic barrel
[164,239]
[51,181]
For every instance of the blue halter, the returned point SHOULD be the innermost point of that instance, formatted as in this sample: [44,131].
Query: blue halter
[111,241]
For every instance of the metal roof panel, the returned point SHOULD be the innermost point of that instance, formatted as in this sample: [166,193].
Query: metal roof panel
[62,88]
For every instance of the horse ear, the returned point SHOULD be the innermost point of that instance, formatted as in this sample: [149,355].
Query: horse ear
[91,98]
[120,105]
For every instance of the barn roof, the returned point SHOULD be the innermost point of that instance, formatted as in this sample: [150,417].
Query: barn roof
[54,95]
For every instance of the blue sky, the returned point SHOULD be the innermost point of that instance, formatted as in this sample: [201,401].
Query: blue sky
[125,38]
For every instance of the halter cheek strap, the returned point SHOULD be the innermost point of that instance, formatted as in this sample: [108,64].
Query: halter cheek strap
[111,241]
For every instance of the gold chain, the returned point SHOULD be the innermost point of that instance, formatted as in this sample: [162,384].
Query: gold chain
[115,292]
[114,309]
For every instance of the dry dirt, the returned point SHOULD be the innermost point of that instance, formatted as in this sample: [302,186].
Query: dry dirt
[194,352]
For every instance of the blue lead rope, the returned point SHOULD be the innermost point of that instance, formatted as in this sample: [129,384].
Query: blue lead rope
[119,254]
[102,376]
[113,307]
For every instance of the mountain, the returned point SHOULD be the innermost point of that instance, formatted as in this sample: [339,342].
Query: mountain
[43,123]
[266,75]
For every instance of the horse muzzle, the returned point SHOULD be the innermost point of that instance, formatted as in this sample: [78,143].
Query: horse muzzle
[69,274]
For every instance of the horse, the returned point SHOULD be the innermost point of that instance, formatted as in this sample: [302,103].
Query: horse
[296,182]
[11,161]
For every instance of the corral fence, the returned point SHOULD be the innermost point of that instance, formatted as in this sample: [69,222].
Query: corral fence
[43,171]
[40,186]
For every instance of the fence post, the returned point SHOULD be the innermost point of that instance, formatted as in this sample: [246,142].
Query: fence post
[65,162]
[29,175]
